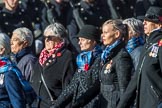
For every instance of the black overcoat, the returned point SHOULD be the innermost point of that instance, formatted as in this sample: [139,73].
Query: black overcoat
[147,80]
[57,74]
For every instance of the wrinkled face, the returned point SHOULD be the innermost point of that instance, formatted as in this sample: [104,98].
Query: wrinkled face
[16,44]
[109,34]
[50,41]
[86,44]
[11,3]
[149,26]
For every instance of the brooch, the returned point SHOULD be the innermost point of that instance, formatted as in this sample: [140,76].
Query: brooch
[108,68]
[154,51]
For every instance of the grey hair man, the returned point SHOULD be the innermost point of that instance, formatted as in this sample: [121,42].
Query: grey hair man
[21,47]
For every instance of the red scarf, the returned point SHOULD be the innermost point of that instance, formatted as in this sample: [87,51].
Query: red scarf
[44,55]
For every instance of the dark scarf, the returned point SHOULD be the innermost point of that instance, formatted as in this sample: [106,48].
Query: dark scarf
[85,59]
[22,53]
[134,42]
[106,52]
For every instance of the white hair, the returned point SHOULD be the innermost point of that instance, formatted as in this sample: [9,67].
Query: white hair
[5,43]
[24,34]
[135,25]
[57,30]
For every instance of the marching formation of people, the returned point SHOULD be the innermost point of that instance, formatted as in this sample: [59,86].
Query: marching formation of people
[81,54]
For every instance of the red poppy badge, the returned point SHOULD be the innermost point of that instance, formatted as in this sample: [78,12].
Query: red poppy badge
[86,67]
[160,43]
[59,54]
[2,63]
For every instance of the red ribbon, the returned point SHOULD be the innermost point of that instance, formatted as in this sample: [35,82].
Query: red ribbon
[86,67]
[2,63]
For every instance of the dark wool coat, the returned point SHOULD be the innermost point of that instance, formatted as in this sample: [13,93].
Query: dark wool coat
[25,64]
[114,83]
[148,78]
[57,73]
[80,83]
[111,85]
[11,20]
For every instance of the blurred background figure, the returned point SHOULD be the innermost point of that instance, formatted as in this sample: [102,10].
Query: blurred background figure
[55,65]
[11,93]
[12,17]
[91,12]
[57,11]
[21,47]
[88,67]
[121,8]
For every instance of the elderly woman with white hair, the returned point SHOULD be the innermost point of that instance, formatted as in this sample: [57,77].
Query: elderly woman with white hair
[21,42]
[11,93]
[135,39]
[55,67]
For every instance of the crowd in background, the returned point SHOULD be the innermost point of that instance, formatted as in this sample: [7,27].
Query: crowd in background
[37,14]
[81,53]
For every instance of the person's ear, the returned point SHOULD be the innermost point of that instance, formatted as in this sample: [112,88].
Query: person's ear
[2,50]
[25,44]
[117,34]
[160,25]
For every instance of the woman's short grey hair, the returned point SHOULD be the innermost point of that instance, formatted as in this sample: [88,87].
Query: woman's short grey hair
[135,25]
[5,43]
[56,29]
[24,34]
[117,25]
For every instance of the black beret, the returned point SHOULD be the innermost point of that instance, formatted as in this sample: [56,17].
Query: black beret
[154,14]
[89,32]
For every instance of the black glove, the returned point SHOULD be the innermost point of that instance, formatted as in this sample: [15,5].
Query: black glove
[75,105]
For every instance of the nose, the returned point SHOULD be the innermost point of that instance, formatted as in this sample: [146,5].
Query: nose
[11,42]
[144,22]
[79,42]
[102,35]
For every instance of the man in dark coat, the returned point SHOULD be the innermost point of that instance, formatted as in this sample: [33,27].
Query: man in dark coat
[12,17]
[141,6]
[148,78]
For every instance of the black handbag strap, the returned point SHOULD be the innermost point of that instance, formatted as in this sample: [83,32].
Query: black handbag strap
[51,98]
